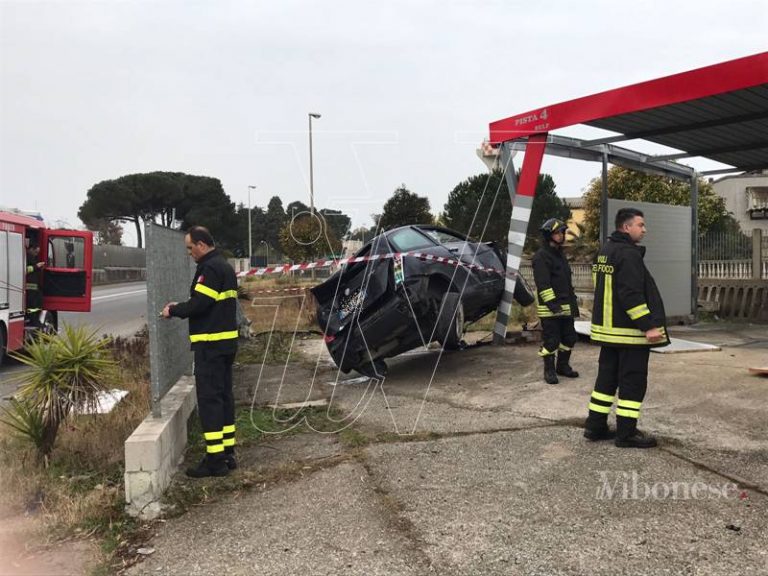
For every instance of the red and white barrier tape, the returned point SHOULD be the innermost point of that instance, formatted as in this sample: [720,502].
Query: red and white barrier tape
[344,261]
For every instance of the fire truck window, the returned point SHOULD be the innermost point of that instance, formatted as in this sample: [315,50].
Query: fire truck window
[66,252]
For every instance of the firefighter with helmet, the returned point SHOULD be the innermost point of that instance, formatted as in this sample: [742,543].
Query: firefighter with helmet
[556,302]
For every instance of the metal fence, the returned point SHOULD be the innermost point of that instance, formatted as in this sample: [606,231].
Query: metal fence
[725,246]
[169,273]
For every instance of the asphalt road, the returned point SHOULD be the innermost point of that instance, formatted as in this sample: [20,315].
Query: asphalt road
[117,309]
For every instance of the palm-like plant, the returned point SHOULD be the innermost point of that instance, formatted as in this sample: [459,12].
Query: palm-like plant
[65,374]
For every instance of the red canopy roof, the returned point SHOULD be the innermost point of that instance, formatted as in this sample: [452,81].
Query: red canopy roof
[718,112]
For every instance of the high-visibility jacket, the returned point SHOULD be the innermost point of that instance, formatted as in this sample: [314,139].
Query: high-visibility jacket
[627,302]
[212,306]
[554,285]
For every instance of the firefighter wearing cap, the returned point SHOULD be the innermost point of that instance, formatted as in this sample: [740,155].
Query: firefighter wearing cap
[628,320]
[212,313]
[556,302]
[34,297]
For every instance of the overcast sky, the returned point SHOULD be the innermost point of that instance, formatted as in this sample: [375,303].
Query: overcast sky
[94,90]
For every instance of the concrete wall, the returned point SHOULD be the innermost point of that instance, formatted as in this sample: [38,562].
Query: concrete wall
[154,450]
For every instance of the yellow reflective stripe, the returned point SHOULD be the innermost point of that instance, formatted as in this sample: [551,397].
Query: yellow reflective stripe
[603,397]
[601,409]
[228,429]
[547,295]
[607,300]
[638,311]
[619,339]
[203,289]
[594,279]
[30,269]
[213,435]
[610,330]
[544,352]
[226,294]
[627,413]
[629,404]
[231,335]
[229,441]
[564,348]
[544,312]
[31,286]
[214,449]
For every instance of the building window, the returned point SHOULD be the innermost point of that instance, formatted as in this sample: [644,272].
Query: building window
[757,202]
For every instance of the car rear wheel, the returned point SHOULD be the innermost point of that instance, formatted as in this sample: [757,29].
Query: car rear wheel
[451,330]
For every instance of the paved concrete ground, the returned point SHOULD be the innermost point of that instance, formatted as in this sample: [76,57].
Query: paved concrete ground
[490,474]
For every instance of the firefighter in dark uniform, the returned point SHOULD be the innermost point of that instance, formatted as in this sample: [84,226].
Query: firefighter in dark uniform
[212,310]
[628,320]
[34,304]
[556,305]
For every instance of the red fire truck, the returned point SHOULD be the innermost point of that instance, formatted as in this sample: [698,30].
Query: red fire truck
[64,278]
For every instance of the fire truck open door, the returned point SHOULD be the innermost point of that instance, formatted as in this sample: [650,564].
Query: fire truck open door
[68,271]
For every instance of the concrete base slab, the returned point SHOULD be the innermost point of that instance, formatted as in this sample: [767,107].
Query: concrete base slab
[155,448]
[547,502]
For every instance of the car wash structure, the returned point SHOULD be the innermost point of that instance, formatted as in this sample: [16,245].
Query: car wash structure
[719,112]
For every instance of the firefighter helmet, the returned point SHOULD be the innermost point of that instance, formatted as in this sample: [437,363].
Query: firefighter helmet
[551,226]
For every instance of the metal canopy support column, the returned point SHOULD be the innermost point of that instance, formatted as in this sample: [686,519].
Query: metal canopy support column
[502,312]
[518,226]
[604,199]
[694,246]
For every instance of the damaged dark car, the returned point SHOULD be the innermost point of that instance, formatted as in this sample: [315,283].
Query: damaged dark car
[389,304]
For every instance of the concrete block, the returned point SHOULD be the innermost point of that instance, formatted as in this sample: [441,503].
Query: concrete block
[155,448]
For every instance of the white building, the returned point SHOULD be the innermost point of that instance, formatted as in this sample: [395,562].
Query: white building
[746,197]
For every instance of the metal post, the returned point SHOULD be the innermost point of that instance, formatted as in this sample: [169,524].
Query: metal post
[510,277]
[695,246]
[604,199]
[521,214]
[757,253]
[311,170]
[250,243]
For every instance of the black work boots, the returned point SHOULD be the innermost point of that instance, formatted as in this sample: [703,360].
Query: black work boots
[550,377]
[210,466]
[563,367]
[636,440]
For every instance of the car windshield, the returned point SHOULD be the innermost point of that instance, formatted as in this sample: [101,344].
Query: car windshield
[409,239]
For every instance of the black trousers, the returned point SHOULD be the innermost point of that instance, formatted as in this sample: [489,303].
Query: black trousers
[215,401]
[624,370]
[557,333]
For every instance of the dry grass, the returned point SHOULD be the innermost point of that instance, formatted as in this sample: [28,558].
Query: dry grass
[517,317]
[284,312]
[82,488]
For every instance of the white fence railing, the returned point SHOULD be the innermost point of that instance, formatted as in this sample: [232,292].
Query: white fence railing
[727,269]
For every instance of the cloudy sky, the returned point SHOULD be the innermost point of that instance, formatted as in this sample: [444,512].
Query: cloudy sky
[97,89]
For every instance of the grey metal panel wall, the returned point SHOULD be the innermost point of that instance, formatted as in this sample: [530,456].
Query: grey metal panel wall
[668,254]
[107,256]
[169,274]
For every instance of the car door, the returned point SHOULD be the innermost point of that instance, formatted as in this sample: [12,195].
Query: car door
[67,276]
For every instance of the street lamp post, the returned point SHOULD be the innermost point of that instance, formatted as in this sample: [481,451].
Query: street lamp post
[250,244]
[267,245]
[311,172]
